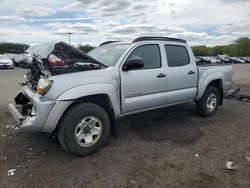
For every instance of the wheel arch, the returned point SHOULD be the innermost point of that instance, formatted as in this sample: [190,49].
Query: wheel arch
[218,84]
[102,100]
[216,80]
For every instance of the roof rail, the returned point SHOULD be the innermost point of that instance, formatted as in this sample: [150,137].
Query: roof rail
[145,38]
[108,42]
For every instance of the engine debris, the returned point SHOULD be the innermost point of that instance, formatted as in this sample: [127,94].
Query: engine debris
[235,95]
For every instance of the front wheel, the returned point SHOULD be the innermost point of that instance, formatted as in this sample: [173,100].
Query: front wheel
[83,129]
[208,104]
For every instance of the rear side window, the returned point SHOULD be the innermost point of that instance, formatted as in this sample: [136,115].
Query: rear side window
[177,55]
[150,55]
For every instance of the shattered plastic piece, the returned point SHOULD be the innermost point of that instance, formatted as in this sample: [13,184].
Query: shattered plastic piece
[7,126]
[5,158]
[247,158]
[235,95]
[132,181]
[229,165]
[196,155]
[30,149]
[11,172]
[16,128]
[3,135]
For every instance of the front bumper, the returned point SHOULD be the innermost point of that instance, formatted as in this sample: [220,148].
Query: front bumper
[16,113]
[42,116]
[35,119]
[6,66]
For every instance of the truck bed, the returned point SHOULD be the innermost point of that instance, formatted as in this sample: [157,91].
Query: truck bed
[207,71]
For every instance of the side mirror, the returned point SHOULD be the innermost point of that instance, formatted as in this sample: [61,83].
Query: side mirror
[133,63]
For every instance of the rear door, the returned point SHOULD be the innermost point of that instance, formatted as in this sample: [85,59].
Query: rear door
[182,74]
[144,88]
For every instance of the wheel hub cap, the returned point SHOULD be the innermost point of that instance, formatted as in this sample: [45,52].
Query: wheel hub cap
[88,131]
[211,102]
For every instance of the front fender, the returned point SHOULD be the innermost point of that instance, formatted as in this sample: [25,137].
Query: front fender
[93,89]
[206,80]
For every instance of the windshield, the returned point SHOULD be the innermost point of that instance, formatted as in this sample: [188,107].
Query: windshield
[108,54]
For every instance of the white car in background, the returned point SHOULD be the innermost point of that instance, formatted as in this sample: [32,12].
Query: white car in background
[213,60]
[6,62]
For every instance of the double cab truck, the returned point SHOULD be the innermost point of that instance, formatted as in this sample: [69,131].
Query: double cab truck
[80,96]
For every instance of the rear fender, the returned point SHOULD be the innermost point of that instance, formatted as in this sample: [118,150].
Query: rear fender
[205,81]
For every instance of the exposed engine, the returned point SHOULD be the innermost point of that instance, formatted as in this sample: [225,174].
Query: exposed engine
[57,58]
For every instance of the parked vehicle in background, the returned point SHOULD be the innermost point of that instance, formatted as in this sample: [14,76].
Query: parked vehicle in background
[6,62]
[13,57]
[241,60]
[214,60]
[202,60]
[24,59]
[23,63]
[234,60]
[207,60]
[247,59]
[220,59]
[198,60]
[224,58]
[82,99]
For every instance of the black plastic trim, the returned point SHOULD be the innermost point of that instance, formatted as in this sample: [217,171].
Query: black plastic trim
[108,42]
[146,38]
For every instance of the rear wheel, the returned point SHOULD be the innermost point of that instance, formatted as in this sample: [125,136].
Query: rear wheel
[84,129]
[208,104]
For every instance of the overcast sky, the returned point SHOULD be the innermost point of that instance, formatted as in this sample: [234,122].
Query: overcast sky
[212,22]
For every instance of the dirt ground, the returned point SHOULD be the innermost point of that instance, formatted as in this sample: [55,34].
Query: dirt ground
[171,147]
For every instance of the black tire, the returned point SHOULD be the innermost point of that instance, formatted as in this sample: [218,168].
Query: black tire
[68,125]
[201,105]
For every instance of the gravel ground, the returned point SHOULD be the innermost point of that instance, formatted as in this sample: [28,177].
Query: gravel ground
[171,147]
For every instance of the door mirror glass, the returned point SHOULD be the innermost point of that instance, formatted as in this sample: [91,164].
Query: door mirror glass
[133,63]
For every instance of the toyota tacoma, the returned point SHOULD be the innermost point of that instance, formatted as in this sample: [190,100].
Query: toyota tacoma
[80,96]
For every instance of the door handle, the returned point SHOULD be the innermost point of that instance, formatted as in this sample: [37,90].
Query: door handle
[191,72]
[161,75]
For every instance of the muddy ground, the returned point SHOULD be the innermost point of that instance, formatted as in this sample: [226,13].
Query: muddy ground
[171,147]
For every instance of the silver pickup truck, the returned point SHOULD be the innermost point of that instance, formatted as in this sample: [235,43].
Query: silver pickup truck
[81,95]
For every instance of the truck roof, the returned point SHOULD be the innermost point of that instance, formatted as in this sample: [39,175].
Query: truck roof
[146,38]
[149,38]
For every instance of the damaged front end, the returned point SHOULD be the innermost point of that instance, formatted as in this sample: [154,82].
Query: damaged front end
[58,58]
[31,109]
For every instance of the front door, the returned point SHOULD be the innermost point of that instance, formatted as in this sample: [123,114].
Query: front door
[144,88]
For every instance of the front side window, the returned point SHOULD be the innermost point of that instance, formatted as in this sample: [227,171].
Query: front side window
[177,55]
[150,54]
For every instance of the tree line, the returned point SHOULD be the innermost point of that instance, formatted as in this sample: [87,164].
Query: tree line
[240,47]
[16,48]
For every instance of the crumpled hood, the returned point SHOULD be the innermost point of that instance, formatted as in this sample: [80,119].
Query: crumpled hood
[62,50]
[64,82]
